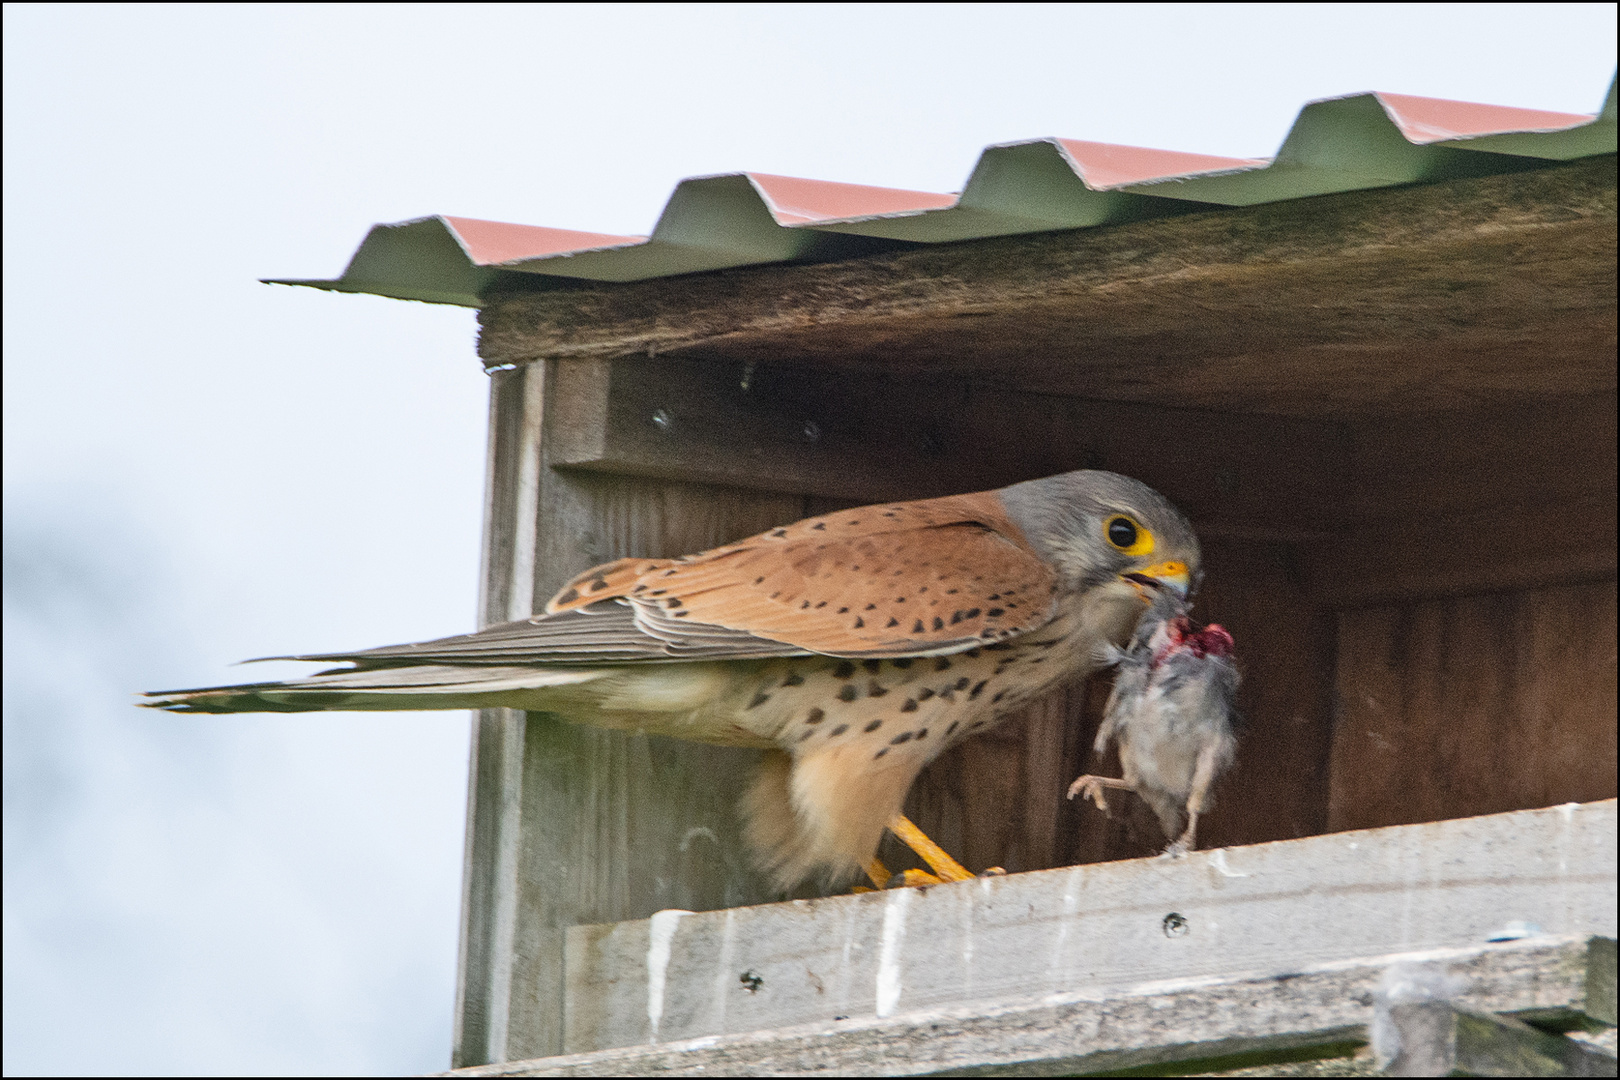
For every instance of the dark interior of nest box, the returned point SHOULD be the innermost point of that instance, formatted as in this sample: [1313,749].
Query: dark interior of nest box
[1390,414]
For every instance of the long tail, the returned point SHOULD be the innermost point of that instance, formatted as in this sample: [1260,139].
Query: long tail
[425,686]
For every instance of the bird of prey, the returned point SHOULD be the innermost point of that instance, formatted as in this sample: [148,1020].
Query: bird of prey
[855,647]
[1172,712]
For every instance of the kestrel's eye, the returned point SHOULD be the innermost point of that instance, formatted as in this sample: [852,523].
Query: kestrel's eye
[1127,535]
[1121,532]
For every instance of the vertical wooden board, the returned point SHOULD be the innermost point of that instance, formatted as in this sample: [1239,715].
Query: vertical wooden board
[483,962]
[618,825]
[1475,704]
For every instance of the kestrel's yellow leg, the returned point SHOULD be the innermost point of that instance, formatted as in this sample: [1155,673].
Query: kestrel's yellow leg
[947,868]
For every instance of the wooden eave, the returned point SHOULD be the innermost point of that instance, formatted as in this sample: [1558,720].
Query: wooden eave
[1429,297]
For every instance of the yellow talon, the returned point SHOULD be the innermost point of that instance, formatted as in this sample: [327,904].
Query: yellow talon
[907,878]
[877,872]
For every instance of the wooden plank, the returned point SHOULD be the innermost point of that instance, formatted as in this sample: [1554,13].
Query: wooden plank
[1474,704]
[1257,1025]
[1506,548]
[1432,505]
[1263,910]
[1534,454]
[1449,295]
[1410,506]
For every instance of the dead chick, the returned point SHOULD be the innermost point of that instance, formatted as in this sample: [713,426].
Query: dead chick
[1173,715]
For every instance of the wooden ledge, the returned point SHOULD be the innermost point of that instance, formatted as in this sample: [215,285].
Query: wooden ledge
[1223,939]
[1197,1026]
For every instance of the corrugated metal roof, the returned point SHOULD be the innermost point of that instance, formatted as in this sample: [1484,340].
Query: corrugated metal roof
[713,222]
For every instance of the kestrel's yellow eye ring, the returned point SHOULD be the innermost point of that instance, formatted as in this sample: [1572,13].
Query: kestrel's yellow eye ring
[1125,535]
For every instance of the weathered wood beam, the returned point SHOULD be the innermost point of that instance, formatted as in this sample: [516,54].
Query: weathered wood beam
[1439,1040]
[1320,1011]
[1265,909]
[1448,295]
[489,889]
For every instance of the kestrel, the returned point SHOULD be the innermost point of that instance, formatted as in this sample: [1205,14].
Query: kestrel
[1172,711]
[856,647]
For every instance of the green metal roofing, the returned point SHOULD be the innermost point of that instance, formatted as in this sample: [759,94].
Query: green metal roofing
[710,223]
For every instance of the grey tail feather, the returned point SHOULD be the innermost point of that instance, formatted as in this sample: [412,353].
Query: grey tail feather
[426,686]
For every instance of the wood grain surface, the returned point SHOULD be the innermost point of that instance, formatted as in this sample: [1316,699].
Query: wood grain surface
[1474,704]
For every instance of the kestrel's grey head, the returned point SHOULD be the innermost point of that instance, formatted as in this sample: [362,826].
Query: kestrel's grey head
[1096,526]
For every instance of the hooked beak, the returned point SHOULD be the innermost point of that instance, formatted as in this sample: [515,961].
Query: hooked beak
[1164,575]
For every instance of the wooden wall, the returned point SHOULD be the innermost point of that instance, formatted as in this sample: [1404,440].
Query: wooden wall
[1474,704]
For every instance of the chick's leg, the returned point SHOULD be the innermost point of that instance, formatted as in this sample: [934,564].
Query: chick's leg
[1188,840]
[1197,801]
[1091,787]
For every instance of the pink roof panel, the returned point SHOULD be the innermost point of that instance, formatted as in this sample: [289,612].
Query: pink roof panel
[1107,165]
[796,201]
[491,242]
[1426,120]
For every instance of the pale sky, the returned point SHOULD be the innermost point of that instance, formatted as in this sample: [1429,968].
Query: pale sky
[200,468]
